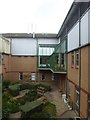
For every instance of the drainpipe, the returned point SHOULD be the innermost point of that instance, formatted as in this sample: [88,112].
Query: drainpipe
[79,61]
[66,65]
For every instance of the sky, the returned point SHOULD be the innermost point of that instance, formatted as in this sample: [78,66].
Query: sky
[28,16]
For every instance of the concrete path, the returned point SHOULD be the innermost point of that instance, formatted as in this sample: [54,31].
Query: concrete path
[61,108]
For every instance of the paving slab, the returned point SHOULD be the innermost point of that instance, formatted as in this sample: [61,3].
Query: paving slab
[61,108]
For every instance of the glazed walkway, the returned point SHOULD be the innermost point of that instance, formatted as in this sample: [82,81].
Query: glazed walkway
[62,110]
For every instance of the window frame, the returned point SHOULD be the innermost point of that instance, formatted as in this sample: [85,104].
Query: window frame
[77,59]
[20,75]
[43,76]
[53,76]
[72,59]
[33,75]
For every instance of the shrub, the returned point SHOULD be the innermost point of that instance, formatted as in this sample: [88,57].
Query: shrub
[46,86]
[5,98]
[13,105]
[40,84]
[14,89]
[50,109]
[24,86]
[34,85]
[5,112]
[6,83]
[31,95]
[39,115]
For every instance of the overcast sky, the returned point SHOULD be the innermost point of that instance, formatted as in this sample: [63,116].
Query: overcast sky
[26,16]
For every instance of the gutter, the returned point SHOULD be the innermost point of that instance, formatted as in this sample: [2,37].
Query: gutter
[79,61]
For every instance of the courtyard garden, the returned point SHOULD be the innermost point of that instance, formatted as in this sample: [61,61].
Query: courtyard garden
[27,100]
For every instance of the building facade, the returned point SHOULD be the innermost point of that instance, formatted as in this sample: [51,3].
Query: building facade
[76,28]
[62,59]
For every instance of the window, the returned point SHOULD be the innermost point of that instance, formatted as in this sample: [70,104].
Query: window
[62,58]
[77,58]
[20,76]
[33,76]
[72,59]
[43,76]
[53,76]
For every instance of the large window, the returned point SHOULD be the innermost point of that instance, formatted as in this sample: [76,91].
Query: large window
[33,76]
[44,61]
[20,76]
[77,58]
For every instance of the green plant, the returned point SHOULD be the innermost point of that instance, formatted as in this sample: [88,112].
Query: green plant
[13,105]
[6,83]
[5,98]
[5,112]
[46,86]
[31,95]
[40,115]
[14,89]
[34,85]
[24,86]
[50,109]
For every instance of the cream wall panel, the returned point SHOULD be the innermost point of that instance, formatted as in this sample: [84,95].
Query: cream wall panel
[89,26]
[73,38]
[0,44]
[48,41]
[84,29]
[23,46]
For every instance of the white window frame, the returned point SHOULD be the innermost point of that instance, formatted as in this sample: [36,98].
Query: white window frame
[73,59]
[33,76]
[20,74]
[53,76]
[77,60]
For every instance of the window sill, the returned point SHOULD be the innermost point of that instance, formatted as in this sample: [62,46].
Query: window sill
[77,67]
[72,66]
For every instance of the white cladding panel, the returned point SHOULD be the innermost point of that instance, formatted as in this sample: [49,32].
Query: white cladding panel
[48,41]
[84,29]
[46,51]
[73,38]
[0,44]
[23,46]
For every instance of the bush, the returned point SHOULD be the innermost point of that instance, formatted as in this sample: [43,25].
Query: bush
[24,86]
[6,83]
[13,105]
[50,109]
[31,95]
[46,86]
[34,85]
[14,89]
[40,84]
[39,115]
[5,98]
[5,112]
